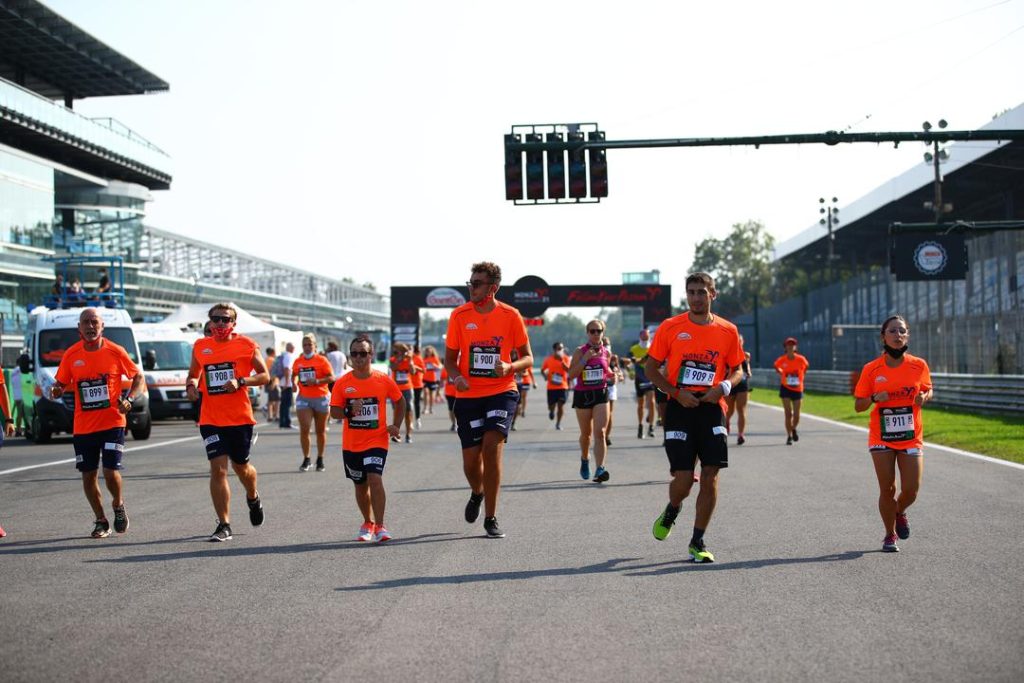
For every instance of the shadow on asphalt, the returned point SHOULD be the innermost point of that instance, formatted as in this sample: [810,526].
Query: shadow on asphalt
[544,486]
[607,567]
[231,550]
[83,542]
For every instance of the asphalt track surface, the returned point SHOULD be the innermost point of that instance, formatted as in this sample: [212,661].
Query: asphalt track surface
[579,590]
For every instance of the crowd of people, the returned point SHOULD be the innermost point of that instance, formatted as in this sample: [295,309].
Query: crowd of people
[690,378]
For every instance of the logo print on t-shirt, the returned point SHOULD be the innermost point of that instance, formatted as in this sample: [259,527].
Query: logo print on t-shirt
[471,326]
[349,390]
[880,378]
[207,351]
[683,336]
[78,363]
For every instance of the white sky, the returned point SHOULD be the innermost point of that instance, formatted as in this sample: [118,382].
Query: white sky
[363,139]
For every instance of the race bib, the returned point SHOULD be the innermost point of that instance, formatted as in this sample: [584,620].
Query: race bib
[432,368]
[694,374]
[217,376]
[368,415]
[401,377]
[557,378]
[897,423]
[483,360]
[593,375]
[93,394]
[307,375]
[792,380]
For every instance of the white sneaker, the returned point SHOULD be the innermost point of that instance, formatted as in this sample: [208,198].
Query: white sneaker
[382,534]
[419,423]
[365,532]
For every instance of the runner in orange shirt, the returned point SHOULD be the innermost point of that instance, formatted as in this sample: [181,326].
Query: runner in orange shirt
[897,384]
[417,382]
[556,371]
[8,428]
[93,367]
[482,334]
[792,367]
[311,373]
[704,357]
[433,366]
[402,370]
[361,398]
[227,363]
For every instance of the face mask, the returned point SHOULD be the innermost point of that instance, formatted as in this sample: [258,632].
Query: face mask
[644,343]
[895,353]
[307,356]
[222,333]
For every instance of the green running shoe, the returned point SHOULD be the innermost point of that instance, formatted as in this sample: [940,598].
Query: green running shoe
[663,524]
[701,554]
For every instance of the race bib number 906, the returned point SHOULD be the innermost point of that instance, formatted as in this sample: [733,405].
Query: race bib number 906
[366,416]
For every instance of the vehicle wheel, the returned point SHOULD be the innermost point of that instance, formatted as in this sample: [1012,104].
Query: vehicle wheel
[141,433]
[39,433]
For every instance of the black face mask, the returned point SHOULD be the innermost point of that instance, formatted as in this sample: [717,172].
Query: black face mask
[895,353]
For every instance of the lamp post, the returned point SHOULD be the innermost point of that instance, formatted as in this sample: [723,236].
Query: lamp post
[936,157]
[830,218]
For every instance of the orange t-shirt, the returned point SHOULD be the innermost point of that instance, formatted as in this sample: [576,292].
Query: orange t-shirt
[369,428]
[557,371]
[449,386]
[402,373]
[793,371]
[903,382]
[482,340]
[308,370]
[698,357]
[220,361]
[96,376]
[432,369]
[417,377]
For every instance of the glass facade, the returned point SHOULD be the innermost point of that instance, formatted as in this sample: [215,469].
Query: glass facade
[26,202]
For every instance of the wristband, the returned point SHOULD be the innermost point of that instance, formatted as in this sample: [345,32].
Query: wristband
[8,420]
[726,387]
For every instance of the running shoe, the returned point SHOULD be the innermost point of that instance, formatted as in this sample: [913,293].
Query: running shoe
[381,535]
[601,475]
[452,428]
[640,431]
[256,515]
[902,525]
[365,534]
[408,439]
[796,437]
[120,520]
[551,415]
[101,528]
[740,440]
[663,524]
[889,544]
[320,465]
[584,469]
[492,528]
[607,441]
[700,553]
[305,465]
[221,533]
[419,423]
[2,532]
[650,432]
[395,439]
[473,507]
[558,426]
[789,441]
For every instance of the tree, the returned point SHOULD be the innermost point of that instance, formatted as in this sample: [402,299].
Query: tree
[741,265]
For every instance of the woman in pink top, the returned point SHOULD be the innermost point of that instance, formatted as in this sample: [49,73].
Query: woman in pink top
[589,367]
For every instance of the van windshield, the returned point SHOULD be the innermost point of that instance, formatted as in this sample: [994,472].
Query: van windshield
[168,355]
[53,343]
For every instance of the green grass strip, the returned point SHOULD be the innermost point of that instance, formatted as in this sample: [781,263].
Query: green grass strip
[996,436]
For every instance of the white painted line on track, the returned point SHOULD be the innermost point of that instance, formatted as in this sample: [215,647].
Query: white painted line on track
[133,449]
[928,444]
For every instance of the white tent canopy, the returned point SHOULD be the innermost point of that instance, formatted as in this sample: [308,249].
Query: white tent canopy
[261,332]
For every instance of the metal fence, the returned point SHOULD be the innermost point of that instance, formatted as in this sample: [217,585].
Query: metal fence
[972,326]
[999,394]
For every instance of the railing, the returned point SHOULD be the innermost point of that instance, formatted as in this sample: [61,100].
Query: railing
[17,103]
[1001,394]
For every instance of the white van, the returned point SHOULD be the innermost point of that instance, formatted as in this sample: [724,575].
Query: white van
[166,356]
[49,334]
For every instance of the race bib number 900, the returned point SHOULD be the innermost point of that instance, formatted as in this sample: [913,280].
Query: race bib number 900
[897,423]
[483,360]
[694,374]
[217,376]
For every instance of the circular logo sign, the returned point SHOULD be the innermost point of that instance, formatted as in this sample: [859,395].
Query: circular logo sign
[445,297]
[531,295]
[930,258]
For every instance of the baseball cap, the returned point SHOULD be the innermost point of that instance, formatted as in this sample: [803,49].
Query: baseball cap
[789,340]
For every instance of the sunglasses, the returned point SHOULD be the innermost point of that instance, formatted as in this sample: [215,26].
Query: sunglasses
[594,331]
[473,284]
[360,354]
[221,319]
